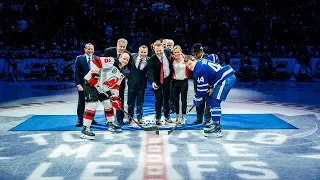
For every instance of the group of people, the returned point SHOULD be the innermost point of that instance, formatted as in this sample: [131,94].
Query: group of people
[167,69]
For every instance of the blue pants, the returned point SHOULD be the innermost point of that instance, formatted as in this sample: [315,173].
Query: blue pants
[220,93]
[222,90]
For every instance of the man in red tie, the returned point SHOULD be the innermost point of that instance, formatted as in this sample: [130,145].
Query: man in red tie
[160,75]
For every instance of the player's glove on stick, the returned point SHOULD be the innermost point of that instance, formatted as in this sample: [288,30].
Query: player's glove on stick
[116,103]
[197,101]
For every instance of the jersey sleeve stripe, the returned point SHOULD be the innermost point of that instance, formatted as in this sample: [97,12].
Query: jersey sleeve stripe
[202,90]
[203,85]
[97,63]
[224,75]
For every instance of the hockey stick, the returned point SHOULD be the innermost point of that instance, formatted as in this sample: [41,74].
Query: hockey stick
[14,78]
[169,132]
[152,128]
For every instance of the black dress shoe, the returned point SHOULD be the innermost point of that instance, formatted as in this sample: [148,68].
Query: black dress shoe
[158,122]
[79,123]
[94,122]
[120,122]
[197,122]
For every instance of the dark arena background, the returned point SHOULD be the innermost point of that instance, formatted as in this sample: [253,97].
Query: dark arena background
[269,121]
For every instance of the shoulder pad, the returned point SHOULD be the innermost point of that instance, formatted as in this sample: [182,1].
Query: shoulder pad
[107,62]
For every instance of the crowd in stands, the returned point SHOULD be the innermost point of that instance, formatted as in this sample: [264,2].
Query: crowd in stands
[245,29]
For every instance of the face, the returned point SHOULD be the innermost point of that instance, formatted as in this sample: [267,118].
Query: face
[158,50]
[121,47]
[164,43]
[89,50]
[169,45]
[177,52]
[124,59]
[191,64]
[143,52]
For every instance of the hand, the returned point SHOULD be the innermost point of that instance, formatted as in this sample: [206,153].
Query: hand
[116,103]
[154,86]
[197,101]
[94,78]
[209,91]
[79,87]
[95,75]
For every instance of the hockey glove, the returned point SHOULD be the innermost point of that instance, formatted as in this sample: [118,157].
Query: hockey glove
[197,101]
[116,103]
[94,78]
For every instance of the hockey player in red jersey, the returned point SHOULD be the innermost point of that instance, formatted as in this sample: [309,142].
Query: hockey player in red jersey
[102,84]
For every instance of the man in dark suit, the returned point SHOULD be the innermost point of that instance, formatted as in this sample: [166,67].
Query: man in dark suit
[160,75]
[82,67]
[115,52]
[137,82]
[203,109]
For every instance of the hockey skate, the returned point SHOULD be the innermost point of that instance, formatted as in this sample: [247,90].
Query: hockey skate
[86,133]
[113,127]
[212,130]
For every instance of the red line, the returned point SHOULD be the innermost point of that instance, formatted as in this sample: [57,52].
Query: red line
[293,105]
[9,107]
[47,102]
[30,104]
[255,101]
[161,155]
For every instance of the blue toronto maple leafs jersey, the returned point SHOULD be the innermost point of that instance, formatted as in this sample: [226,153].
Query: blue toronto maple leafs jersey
[210,74]
[214,58]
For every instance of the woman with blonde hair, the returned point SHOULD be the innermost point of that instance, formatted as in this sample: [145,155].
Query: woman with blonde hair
[180,83]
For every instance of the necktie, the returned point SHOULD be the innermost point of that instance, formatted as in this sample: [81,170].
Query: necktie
[161,71]
[140,64]
[89,61]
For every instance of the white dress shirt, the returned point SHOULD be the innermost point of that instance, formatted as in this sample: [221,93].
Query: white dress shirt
[87,58]
[143,64]
[166,68]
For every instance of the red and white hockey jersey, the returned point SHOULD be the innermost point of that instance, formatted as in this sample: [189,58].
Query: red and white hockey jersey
[104,75]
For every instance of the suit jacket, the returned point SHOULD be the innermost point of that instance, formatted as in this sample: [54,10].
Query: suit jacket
[112,52]
[154,65]
[137,78]
[81,68]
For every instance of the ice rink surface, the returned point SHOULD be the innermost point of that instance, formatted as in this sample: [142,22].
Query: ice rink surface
[185,154]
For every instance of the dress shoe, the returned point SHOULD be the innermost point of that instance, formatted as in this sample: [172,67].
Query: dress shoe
[128,121]
[120,122]
[94,122]
[197,122]
[168,120]
[79,123]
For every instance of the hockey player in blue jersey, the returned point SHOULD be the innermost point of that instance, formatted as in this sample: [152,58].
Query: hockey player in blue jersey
[217,81]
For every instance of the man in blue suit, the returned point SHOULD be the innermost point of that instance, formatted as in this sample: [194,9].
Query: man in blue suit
[82,67]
